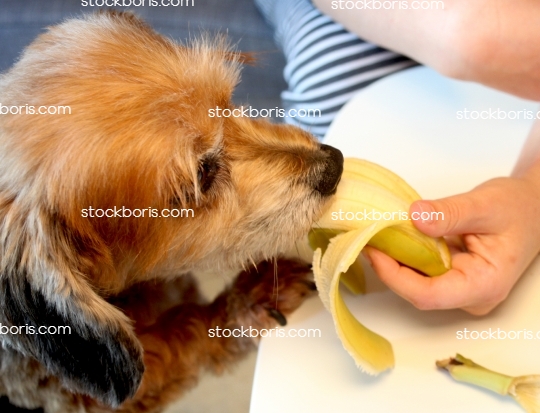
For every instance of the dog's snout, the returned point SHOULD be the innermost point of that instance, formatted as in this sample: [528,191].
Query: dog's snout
[332,171]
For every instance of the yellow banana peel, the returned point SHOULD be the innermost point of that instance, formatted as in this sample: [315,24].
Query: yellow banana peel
[353,278]
[524,389]
[370,208]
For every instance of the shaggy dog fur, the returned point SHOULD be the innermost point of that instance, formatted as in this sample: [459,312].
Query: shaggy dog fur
[140,136]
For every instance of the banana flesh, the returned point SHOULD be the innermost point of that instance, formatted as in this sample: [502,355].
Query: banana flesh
[370,208]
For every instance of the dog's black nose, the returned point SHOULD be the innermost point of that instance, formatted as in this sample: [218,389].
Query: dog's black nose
[332,172]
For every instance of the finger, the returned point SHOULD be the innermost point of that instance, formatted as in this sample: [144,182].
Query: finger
[459,214]
[453,289]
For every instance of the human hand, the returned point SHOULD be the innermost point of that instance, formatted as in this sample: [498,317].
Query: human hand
[499,225]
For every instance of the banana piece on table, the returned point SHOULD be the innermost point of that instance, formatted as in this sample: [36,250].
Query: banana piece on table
[381,200]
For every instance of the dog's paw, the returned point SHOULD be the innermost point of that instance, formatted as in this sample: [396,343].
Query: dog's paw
[263,296]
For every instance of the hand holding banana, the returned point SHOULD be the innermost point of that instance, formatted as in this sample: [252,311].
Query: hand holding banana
[499,222]
[498,247]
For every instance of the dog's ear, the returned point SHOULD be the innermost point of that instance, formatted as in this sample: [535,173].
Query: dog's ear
[43,286]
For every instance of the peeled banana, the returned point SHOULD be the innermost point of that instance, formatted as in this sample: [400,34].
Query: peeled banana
[370,208]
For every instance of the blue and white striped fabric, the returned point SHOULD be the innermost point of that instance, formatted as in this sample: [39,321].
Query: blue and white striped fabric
[326,65]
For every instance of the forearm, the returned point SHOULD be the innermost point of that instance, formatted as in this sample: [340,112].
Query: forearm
[486,41]
[403,31]
[528,163]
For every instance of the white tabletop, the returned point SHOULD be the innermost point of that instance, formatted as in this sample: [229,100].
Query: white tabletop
[408,123]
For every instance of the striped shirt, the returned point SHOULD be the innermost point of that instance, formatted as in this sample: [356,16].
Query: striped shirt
[326,64]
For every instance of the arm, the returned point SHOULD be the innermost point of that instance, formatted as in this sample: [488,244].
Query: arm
[492,42]
[499,222]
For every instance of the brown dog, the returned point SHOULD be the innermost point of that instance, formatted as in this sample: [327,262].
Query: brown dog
[139,136]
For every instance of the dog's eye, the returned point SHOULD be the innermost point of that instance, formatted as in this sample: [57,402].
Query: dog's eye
[206,174]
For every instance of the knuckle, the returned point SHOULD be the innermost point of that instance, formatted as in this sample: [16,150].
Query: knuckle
[452,215]
[458,211]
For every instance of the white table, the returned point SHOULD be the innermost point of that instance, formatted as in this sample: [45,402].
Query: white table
[408,123]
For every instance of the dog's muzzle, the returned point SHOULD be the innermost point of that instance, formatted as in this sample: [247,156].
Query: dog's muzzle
[332,172]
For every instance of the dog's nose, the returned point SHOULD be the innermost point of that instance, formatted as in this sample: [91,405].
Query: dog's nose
[332,172]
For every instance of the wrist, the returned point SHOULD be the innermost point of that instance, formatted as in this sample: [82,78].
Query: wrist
[530,208]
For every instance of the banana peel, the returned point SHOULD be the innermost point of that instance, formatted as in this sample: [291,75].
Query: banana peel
[338,241]
[524,389]
[353,278]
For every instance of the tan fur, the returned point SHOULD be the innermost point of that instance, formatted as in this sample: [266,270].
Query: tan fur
[137,136]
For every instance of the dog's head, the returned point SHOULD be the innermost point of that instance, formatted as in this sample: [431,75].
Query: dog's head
[141,137]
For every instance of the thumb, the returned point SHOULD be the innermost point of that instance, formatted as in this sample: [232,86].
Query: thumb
[455,215]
